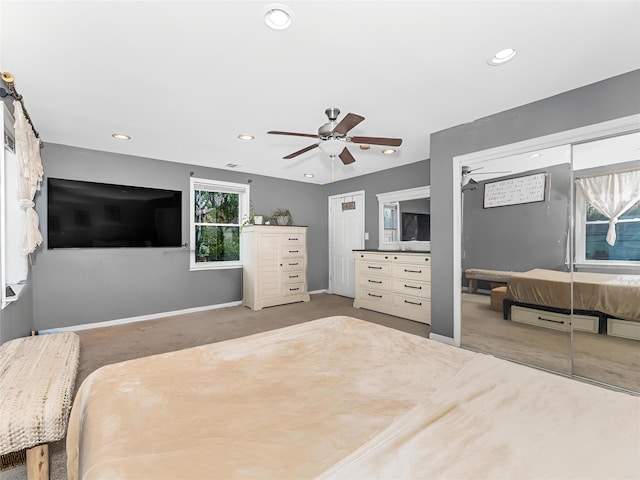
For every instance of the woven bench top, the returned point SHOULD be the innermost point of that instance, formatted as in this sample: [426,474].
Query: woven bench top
[488,275]
[37,379]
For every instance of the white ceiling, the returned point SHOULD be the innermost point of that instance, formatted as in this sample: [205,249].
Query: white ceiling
[185,78]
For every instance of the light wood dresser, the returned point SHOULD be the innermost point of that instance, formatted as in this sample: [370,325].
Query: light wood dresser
[395,283]
[274,265]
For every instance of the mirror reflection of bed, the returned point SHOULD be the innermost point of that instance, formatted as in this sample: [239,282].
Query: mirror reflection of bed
[537,236]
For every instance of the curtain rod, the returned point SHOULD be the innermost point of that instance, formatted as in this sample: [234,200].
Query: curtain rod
[8,79]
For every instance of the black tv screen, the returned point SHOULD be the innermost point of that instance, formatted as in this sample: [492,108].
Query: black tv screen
[87,214]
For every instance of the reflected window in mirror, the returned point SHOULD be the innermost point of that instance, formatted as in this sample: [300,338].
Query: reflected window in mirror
[405,219]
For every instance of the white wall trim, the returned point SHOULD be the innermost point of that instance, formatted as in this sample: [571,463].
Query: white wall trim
[314,292]
[442,339]
[590,132]
[142,318]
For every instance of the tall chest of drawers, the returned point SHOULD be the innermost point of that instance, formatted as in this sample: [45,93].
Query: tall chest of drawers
[395,283]
[274,265]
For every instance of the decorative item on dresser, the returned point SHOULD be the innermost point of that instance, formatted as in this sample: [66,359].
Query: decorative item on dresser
[395,283]
[274,265]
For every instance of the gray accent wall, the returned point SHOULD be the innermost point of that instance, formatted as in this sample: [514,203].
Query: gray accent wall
[83,286]
[16,319]
[609,99]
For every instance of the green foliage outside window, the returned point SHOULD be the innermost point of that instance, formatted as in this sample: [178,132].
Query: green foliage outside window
[217,226]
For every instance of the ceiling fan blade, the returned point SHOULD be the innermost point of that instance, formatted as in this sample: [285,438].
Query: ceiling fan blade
[274,132]
[392,142]
[346,157]
[347,123]
[300,152]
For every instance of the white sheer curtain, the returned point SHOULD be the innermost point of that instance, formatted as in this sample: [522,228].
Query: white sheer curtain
[31,173]
[612,195]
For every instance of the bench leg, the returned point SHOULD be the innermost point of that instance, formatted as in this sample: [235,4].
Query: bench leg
[471,287]
[38,463]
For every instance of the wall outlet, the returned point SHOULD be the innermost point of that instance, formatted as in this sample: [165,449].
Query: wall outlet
[366,235]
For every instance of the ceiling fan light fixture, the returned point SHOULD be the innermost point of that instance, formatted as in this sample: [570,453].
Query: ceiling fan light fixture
[502,57]
[278,16]
[332,147]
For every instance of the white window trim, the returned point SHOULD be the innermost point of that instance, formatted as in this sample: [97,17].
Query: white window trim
[218,186]
[580,234]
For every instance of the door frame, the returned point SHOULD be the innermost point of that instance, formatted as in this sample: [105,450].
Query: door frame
[330,229]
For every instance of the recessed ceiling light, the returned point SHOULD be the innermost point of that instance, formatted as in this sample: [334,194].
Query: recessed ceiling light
[365,146]
[535,155]
[121,136]
[503,56]
[244,136]
[232,165]
[308,175]
[388,151]
[278,16]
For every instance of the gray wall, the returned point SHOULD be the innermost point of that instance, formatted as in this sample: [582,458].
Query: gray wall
[607,100]
[16,320]
[398,178]
[495,238]
[80,286]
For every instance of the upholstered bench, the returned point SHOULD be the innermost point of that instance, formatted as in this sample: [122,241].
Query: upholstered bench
[37,380]
[493,276]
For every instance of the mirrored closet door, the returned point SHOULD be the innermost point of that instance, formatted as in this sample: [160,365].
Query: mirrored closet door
[550,255]
[516,222]
[607,260]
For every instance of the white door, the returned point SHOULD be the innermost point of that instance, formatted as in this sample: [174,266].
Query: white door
[346,233]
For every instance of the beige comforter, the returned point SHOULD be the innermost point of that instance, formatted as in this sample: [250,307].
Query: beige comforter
[344,398]
[615,295]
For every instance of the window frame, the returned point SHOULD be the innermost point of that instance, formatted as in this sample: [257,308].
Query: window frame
[581,232]
[243,190]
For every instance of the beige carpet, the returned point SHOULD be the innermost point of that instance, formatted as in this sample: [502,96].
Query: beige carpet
[103,346]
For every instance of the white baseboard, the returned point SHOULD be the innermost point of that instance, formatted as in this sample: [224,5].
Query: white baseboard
[324,290]
[142,318]
[443,339]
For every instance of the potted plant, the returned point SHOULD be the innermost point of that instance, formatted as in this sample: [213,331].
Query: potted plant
[281,217]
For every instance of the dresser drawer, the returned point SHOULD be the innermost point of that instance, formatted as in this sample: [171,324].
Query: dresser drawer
[382,269]
[540,318]
[416,305]
[293,239]
[293,264]
[374,296]
[412,288]
[294,289]
[412,258]
[293,277]
[293,251]
[374,257]
[421,273]
[375,283]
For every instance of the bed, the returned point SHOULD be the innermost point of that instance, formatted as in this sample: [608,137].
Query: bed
[344,398]
[602,303]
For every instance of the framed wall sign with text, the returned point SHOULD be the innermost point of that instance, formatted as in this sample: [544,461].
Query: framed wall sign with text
[513,191]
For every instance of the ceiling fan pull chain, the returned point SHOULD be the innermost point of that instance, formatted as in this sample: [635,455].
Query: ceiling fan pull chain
[333,168]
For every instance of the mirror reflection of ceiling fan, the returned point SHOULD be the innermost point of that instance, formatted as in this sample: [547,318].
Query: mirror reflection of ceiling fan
[469,183]
[333,137]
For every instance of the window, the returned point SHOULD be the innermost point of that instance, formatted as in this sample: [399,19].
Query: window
[591,232]
[217,213]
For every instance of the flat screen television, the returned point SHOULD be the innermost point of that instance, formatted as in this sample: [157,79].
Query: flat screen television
[100,215]
[416,226]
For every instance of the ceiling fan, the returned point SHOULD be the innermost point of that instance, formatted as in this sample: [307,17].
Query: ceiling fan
[469,183]
[333,137]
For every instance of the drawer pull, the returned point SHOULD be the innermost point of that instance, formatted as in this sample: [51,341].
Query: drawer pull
[293,239]
[413,286]
[374,281]
[293,251]
[294,289]
[413,303]
[293,276]
[413,271]
[551,320]
[374,268]
[372,295]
